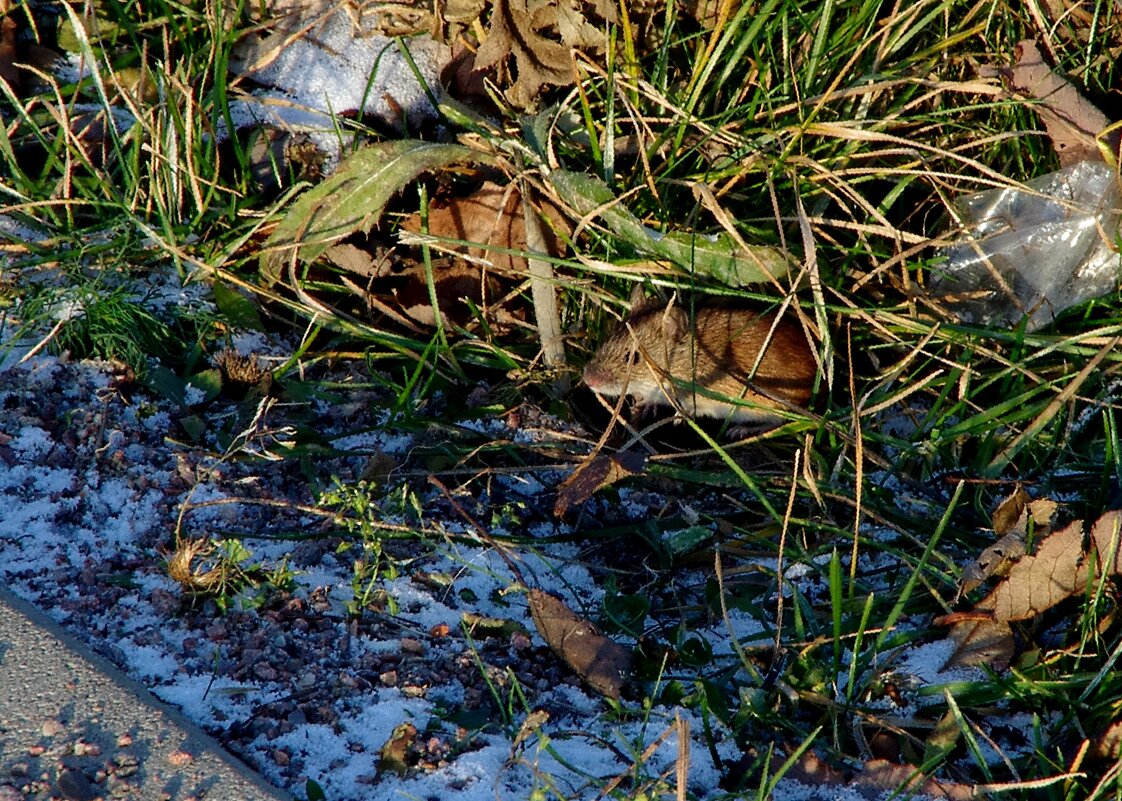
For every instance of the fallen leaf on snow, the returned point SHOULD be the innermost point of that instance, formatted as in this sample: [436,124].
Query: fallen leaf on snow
[602,663]
[394,754]
[596,472]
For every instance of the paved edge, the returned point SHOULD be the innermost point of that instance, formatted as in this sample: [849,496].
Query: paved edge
[55,675]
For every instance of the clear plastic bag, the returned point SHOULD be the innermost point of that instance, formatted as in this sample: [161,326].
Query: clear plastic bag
[1034,250]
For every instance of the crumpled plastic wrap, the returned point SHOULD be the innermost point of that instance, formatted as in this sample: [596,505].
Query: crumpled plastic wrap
[1034,250]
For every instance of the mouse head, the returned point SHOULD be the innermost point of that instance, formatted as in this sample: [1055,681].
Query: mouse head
[634,357]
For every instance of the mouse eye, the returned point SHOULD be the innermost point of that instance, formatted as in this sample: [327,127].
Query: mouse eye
[633,359]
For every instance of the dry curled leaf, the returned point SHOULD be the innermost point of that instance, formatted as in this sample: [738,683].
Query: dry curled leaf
[394,756]
[444,20]
[602,663]
[1009,511]
[992,561]
[596,472]
[1011,521]
[539,61]
[531,726]
[540,34]
[1072,121]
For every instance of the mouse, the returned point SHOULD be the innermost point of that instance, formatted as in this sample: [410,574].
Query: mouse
[727,362]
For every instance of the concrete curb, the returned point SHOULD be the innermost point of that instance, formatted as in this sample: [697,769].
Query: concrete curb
[72,725]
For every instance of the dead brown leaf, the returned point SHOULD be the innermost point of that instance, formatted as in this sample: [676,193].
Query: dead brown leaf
[877,777]
[1009,511]
[456,286]
[491,225]
[1061,568]
[1011,521]
[489,218]
[352,259]
[879,774]
[596,472]
[1105,539]
[467,83]
[981,641]
[394,756]
[444,20]
[602,663]
[709,12]
[539,61]
[1072,121]
[540,35]
[1039,582]
[994,560]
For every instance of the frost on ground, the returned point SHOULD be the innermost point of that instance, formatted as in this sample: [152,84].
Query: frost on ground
[95,479]
[440,686]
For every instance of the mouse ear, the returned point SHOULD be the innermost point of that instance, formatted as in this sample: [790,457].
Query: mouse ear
[675,323]
[637,300]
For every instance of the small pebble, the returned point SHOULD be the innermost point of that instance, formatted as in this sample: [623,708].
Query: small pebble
[125,765]
[120,788]
[82,748]
[74,786]
[180,758]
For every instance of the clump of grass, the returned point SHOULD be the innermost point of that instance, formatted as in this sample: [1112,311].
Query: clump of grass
[224,571]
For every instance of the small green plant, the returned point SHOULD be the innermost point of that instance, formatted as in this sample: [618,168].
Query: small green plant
[364,522]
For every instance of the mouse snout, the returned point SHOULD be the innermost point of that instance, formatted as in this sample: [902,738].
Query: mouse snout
[597,378]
